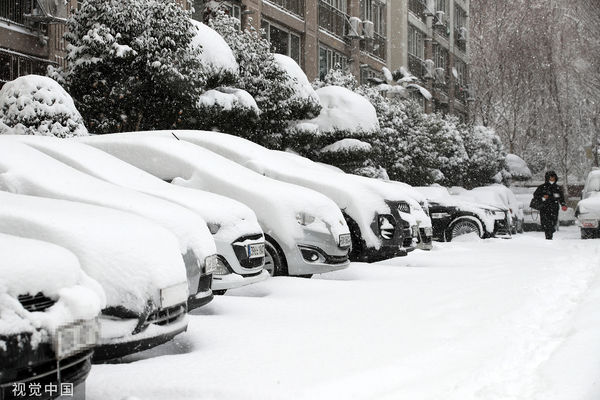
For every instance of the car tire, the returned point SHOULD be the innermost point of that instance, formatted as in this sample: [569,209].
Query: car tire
[275,262]
[588,233]
[461,226]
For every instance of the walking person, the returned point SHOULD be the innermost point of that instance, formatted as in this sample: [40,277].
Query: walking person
[550,196]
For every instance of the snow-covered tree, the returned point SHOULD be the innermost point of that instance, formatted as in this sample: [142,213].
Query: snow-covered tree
[486,156]
[265,79]
[38,105]
[131,66]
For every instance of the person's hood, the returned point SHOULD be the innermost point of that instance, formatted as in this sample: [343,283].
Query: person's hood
[549,174]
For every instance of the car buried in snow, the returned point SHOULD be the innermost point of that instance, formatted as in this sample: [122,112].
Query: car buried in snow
[136,262]
[452,216]
[29,171]
[305,232]
[588,208]
[237,234]
[380,221]
[48,320]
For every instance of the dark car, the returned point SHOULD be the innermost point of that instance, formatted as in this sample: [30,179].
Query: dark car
[44,353]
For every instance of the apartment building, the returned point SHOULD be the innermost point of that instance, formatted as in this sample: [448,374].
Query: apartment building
[31,36]
[436,30]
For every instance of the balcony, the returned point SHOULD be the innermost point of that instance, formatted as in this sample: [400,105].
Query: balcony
[418,8]
[375,47]
[332,20]
[14,10]
[416,67]
[295,7]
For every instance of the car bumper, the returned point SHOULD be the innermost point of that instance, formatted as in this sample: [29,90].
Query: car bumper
[233,281]
[118,340]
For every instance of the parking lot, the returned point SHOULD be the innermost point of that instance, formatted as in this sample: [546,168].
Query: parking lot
[472,319]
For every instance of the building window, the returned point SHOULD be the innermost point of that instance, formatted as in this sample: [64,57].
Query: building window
[460,27]
[368,72]
[13,65]
[333,16]
[204,10]
[329,59]
[417,7]
[341,5]
[283,41]
[440,56]
[416,42]
[296,7]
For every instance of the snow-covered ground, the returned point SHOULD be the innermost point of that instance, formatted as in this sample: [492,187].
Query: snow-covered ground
[472,319]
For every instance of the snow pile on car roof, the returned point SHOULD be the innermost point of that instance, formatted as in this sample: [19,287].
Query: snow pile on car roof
[216,54]
[185,164]
[228,99]
[129,256]
[38,105]
[29,171]
[235,219]
[345,110]
[297,78]
[29,267]
[517,167]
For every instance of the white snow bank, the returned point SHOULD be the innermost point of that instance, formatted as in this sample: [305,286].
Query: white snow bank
[345,110]
[275,203]
[517,167]
[29,171]
[228,99]
[234,218]
[38,105]
[216,54]
[31,267]
[357,200]
[130,257]
[347,144]
[297,78]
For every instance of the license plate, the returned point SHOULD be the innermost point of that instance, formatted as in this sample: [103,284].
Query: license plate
[71,339]
[589,223]
[256,250]
[173,295]
[345,240]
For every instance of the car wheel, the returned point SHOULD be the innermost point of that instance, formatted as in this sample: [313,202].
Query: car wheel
[587,233]
[274,259]
[462,227]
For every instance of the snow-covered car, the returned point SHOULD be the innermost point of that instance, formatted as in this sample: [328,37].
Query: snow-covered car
[48,318]
[237,234]
[29,171]
[498,196]
[305,232]
[379,220]
[136,262]
[588,208]
[452,216]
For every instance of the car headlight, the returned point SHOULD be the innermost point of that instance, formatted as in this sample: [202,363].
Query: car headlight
[304,218]
[211,263]
[213,227]
[439,215]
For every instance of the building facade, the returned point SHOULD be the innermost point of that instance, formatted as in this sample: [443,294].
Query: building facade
[31,36]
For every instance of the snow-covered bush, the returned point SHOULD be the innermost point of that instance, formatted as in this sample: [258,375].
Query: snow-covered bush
[304,100]
[131,65]
[218,61]
[485,155]
[38,105]
[517,167]
[264,78]
[226,109]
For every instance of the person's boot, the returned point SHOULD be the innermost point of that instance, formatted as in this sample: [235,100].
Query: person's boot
[548,235]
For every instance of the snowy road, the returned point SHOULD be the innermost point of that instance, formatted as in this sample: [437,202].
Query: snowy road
[493,319]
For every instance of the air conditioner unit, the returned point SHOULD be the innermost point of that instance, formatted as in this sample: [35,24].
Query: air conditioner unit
[355,25]
[440,18]
[429,66]
[462,34]
[368,29]
[440,76]
[454,73]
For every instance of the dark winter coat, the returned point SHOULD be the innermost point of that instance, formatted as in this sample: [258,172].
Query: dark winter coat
[554,193]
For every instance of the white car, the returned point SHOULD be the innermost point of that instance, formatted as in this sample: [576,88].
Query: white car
[48,316]
[237,234]
[588,208]
[453,216]
[29,171]
[380,221]
[136,262]
[305,232]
